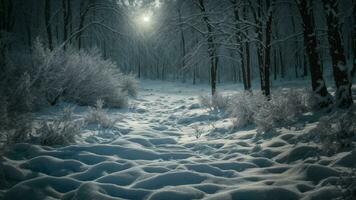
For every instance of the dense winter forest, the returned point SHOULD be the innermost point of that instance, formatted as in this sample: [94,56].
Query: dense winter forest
[178,99]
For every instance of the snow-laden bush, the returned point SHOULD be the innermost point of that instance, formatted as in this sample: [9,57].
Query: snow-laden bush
[82,77]
[282,109]
[243,108]
[129,84]
[44,77]
[61,131]
[334,133]
[19,129]
[98,116]
[4,119]
[347,185]
[218,102]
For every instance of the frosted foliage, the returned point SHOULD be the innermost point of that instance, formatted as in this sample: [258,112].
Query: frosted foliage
[335,133]
[81,77]
[129,85]
[218,102]
[61,131]
[281,110]
[3,112]
[243,108]
[347,184]
[32,81]
[20,129]
[98,116]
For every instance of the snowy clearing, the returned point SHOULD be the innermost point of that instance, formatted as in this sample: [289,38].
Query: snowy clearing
[166,146]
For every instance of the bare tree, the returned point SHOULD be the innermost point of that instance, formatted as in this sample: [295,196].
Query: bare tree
[318,84]
[264,37]
[212,50]
[354,37]
[67,19]
[240,47]
[48,23]
[340,70]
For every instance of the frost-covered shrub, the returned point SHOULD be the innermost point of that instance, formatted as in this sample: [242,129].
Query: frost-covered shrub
[19,129]
[98,116]
[243,108]
[218,102]
[4,119]
[129,84]
[81,77]
[99,79]
[282,109]
[198,131]
[61,131]
[335,133]
[347,185]
[44,77]
[22,97]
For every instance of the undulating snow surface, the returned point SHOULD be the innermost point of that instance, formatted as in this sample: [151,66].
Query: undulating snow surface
[153,153]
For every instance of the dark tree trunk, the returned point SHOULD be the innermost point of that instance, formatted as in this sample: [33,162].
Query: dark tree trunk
[239,46]
[354,37]
[283,70]
[318,83]
[340,70]
[194,75]
[267,54]
[70,23]
[48,23]
[183,45]
[263,44]
[65,21]
[275,70]
[298,62]
[247,54]
[6,25]
[212,51]
[305,65]
[6,15]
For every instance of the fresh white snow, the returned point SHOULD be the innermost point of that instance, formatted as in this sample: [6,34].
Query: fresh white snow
[154,153]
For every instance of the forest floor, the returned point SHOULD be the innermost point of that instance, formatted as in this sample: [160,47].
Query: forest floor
[166,146]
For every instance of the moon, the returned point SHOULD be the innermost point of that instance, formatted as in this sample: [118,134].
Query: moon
[146,19]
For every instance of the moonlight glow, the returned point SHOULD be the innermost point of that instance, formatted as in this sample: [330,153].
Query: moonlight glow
[146,19]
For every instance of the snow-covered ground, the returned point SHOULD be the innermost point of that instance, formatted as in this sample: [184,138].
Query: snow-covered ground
[155,152]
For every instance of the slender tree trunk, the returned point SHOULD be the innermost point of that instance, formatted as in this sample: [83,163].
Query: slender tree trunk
[194,75]
[340,70]
[259,47]
[275,70]
[298,62]
[212,51]
[305,65]
[354,37]
[48,24]
[247,54]
[82,17]
[70,19]
[183,45]
[318,83]
[65,21]
[239,46]
[267,54]
[283,70]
